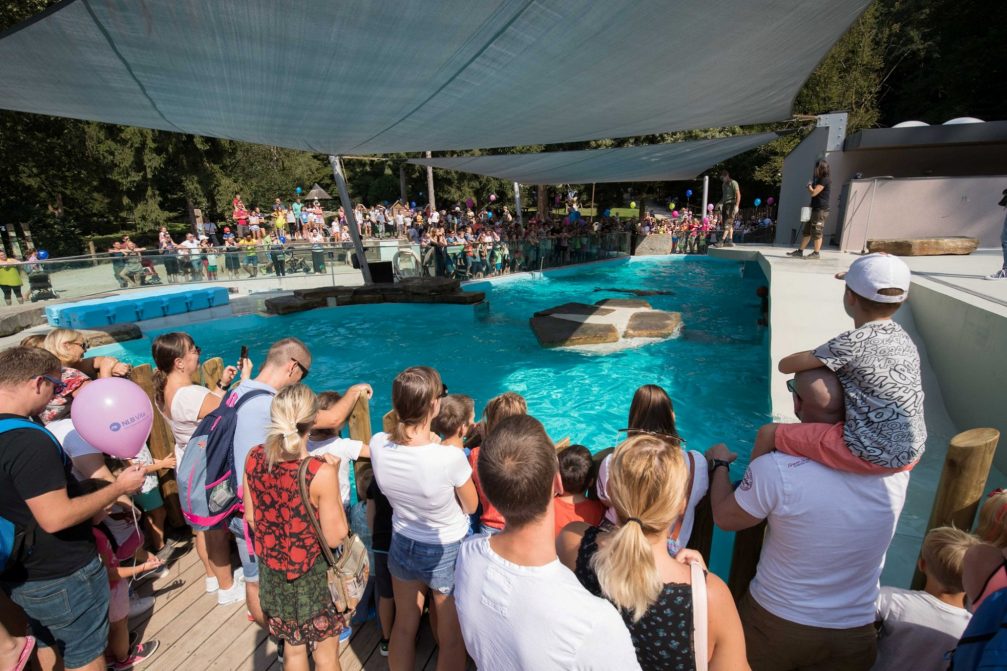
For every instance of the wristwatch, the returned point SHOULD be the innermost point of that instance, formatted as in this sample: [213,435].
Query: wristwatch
[716,463]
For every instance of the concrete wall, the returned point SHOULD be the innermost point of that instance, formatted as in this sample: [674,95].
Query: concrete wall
[798,167]
[966,338]
[898,162]
[923,207]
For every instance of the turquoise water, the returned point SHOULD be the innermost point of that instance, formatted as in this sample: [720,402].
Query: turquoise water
[716,372]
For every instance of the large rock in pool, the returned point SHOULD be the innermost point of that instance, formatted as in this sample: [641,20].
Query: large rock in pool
[556,332]
[653,324]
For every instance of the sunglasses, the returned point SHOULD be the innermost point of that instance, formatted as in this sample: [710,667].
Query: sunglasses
[444,390]
[792,387]
[677,440]
[304,371]
[82,345]
[57,385]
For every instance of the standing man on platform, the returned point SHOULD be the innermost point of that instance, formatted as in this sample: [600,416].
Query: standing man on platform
[730,200]
[1002,273]
[820,190]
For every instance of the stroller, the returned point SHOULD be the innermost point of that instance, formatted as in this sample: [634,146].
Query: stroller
[39,287]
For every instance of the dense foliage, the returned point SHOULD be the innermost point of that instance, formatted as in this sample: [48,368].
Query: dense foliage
[922,59]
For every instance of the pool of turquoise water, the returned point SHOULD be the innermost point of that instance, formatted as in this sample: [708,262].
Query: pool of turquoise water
[716,372]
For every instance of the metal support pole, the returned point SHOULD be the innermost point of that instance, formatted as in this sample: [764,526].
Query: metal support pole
[706,192]
[351,218]
[430,186]
[517,204]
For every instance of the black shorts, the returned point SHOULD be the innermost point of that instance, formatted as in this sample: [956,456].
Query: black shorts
[382,577]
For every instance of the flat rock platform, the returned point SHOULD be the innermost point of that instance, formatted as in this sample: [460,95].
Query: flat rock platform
[608,325]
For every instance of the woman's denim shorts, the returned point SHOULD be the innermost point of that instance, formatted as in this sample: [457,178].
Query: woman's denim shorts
[428,563]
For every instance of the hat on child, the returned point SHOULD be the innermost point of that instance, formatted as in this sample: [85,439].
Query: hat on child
[873,272]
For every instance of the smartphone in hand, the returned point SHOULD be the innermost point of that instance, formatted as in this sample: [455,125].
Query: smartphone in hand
[242,356]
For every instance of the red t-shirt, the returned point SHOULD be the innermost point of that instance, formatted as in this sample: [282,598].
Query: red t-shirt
[588,510]
[491,517]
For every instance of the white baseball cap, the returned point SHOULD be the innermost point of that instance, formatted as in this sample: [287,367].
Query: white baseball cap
[873,272]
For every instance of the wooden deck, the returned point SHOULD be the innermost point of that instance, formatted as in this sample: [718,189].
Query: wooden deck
[198,635]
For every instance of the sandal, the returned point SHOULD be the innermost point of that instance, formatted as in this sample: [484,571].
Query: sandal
[22,660]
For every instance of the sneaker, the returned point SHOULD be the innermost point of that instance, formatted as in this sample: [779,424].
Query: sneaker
[236,594]
[813,256]
[280,645]
[799,253]
[729,244]
[998,275]
[383,647]
[136,656]
[344,636]
[211,585]
[140,605]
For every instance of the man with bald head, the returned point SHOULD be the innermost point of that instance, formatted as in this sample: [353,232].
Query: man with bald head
[811,603]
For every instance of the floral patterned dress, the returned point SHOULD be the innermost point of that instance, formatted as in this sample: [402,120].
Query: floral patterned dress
[292,571]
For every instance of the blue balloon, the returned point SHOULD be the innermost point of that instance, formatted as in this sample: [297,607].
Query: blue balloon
[412,204]
[298,190]
[688,193]
[607,213]
[758,201]
[43,255]
[489,215]
[283,239]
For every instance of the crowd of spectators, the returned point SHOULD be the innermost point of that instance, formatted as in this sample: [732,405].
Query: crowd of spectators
[526,553]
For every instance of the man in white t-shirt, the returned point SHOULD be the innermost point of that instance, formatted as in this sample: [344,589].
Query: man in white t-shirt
[812,601]
[519,607]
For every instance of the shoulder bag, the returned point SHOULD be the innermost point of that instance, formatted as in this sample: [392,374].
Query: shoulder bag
[347,574]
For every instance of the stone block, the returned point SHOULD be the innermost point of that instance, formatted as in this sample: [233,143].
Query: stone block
[430,285]
[959,245]
[556,332]
[106,335]
[575,309]
[653,245]
[324,292]
[285,305]
[654,324]
[624,303]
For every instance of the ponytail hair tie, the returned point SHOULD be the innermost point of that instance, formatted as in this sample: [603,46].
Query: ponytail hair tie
[634,519]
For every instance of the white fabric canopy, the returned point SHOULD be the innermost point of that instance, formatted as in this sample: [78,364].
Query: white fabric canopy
[410,75]
[645,163]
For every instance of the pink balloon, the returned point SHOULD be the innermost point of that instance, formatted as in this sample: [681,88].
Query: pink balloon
[706,220]
[674,213]
[770,200]
[114,415]
[709,208]
[493,197]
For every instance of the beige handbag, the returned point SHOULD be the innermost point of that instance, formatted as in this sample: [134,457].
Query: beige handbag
[347,574]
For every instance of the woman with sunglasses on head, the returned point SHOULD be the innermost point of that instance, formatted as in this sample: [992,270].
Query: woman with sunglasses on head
[430,488]
[69,346]
[662,600]
[183,404]
[652,413]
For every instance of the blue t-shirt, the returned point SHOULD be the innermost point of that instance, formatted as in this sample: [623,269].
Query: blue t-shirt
[296,207]
[253,421]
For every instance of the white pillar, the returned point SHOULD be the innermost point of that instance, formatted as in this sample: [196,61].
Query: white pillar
[430,185]
[351,219]
[706,192]
[517,204]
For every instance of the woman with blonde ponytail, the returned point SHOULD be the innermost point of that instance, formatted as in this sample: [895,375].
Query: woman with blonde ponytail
[630,565]
[430,488]
[293,590]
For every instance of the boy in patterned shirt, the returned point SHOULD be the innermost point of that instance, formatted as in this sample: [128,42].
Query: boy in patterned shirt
[879,368]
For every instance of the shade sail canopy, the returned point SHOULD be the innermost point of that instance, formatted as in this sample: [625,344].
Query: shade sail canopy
[412,75]
[644,163]
[318,192]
